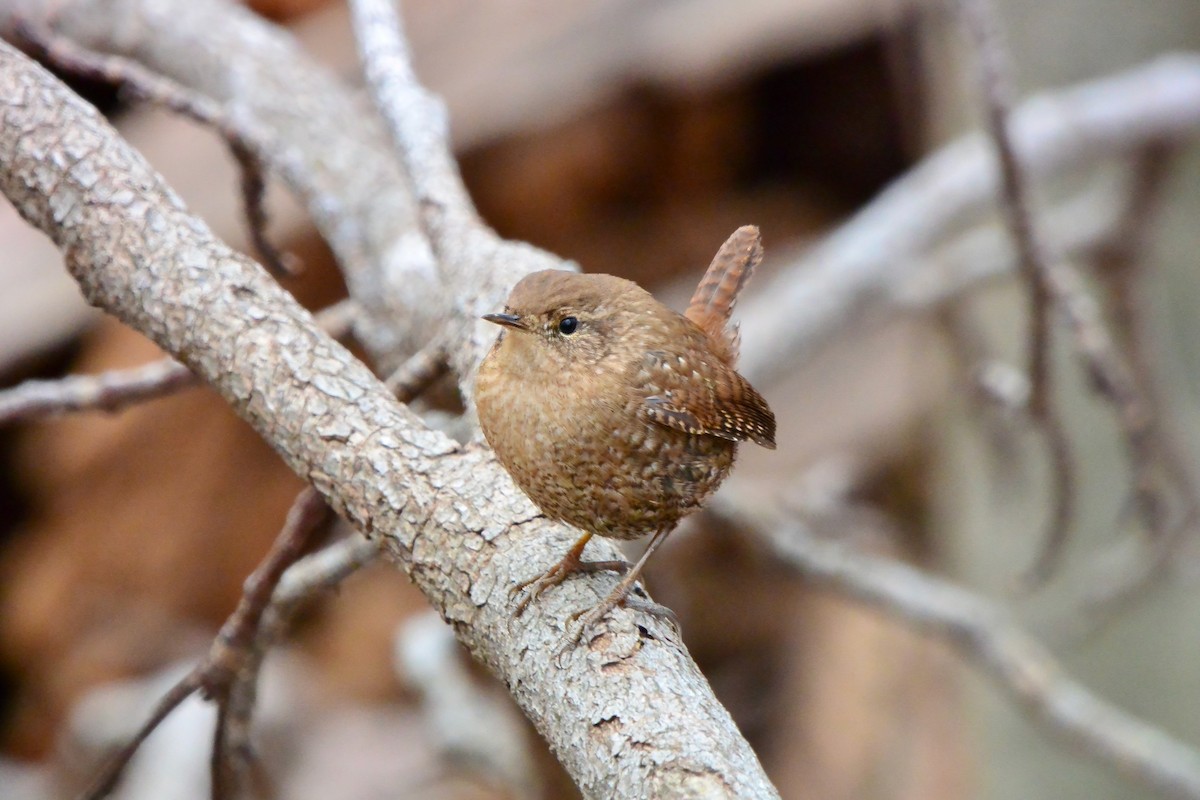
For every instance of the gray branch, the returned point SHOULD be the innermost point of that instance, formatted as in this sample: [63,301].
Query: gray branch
[628,713]
[865,265]
[325,142]
[985,635]
[468,252]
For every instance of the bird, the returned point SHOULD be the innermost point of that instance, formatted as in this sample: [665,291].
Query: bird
[616,414]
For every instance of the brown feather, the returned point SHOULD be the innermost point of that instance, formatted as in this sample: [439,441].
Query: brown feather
[713,301]
[722,404]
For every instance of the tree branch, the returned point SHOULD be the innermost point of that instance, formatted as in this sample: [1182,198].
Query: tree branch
[118,388]
[448,514]
[135,80]
[108,391]
[226,53]
[872,263]
[1034,266]
[469,253]
[985,636]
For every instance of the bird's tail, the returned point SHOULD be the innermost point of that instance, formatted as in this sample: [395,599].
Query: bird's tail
[713,301]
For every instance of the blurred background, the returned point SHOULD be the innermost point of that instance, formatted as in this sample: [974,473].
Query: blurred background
[632,138]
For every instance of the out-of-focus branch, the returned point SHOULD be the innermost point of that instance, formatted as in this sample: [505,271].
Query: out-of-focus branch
[118,388]
[985,636]
[448,514]
[107,391]
[476,730]
[1120,264]
[868,263]
[218,672]
[1034,266]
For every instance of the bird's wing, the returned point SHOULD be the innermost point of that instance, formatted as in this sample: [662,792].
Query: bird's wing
[704,399]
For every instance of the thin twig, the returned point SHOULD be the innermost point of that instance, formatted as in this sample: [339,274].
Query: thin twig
[217,672]
[228,655]
[1034,266]
[106,779]
[986,636]
[116,389]
[229,674]
[1121,264]
[254,192]
[133,78]
[314,573]
[108,391]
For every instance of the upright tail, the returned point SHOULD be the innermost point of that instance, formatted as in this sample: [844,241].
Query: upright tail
[714,299]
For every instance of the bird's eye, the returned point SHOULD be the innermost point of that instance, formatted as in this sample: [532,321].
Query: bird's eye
[567,325]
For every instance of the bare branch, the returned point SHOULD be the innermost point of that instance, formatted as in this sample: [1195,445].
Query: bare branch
[322,570]
[985,636]
[1034,267]
[225,52]
[106,780]
[1120,263]
[416,374]
[254,192]
[108,391]
[230,653]
[416,119]
[469,253]
[875,261]
[448,514]
[219,671]
[135,80]
[476,729]
[118,388]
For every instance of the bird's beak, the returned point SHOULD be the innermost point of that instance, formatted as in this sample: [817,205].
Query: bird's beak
[507,320]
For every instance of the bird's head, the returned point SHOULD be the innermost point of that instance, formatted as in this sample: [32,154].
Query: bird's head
[557,320]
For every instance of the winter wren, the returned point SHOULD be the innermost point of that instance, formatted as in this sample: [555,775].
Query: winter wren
[614,413]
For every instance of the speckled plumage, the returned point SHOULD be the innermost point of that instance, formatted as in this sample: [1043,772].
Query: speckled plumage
[631,420]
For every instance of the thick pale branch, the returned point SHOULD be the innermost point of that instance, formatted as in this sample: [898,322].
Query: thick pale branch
[468,252]
[136,81]
[985,636]
[449,515]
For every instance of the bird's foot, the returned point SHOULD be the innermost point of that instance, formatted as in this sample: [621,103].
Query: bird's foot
[557,574]
[589,617]
[626,593]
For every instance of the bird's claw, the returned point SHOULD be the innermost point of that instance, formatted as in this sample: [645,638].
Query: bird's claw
[535,587]
[580,622]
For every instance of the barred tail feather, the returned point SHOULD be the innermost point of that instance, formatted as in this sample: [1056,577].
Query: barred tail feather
[714,299]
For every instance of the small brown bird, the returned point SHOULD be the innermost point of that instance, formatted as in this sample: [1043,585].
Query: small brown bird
[615,413]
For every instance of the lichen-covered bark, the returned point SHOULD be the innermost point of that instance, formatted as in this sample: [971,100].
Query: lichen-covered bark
[627,712]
